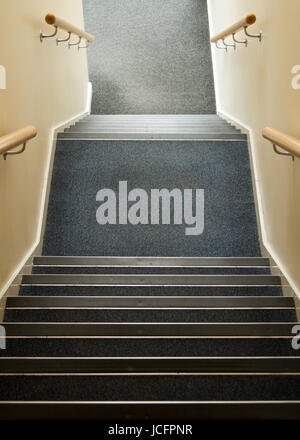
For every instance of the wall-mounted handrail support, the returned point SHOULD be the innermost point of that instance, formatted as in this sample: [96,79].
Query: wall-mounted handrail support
[14,152]
[84,47]
[259,35]
[59,23]
[42,36]
[281,153]
[232,30]
[245,42]
[16,138]
[220,47]
[227,44]
[62,40]
[290,144]
[75,44]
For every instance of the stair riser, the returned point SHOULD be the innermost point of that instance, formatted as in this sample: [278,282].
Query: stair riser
[152,280]
[151,347]
[149,388]
[153,117]
[116,411]
[151,290]
[154,128]
[148,329]
[151,302]
[149,270]
[216,262]
[148,315]
[120,129]
[148,365]
[151,136]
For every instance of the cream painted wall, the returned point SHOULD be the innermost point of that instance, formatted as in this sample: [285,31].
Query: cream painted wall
[45,86]
[253,86]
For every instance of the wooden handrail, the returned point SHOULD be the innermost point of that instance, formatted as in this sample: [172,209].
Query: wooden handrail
[282,140]
[16,138]
[244,22]
[66,26]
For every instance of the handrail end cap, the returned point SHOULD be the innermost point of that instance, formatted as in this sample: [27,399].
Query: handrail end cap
[50,19]
[251,19]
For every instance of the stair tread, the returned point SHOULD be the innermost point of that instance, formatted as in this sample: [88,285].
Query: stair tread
[145,291]
[153,261]
[150,301]
[151,410]
[148,315]
[154,387]
[149,329]
[145,279]
[93,365]
[149,347]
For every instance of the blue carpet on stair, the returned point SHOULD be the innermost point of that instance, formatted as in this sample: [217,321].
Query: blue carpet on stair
[150,56]
[82,168]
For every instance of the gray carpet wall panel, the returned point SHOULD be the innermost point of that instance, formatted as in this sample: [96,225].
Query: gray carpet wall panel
[150,57]
[82,168]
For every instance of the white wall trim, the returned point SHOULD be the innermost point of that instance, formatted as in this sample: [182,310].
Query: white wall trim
[213,52]
[43,207]
[264,236]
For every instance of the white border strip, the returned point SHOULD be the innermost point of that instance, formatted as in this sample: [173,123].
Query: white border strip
[53,135]
[262,221]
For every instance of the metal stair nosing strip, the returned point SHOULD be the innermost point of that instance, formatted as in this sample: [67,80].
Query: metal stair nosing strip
[149,365]
[148,329]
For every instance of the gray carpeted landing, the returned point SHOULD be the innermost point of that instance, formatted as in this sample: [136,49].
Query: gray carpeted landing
[150,56]
[82,168]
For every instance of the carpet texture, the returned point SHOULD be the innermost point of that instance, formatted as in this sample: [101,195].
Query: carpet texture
[157,315]
[150,56]
[82,168]
[143,347]
[157,387]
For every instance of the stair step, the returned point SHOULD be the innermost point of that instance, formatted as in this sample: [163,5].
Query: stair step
[148,121]
[152,129]
[145,291]
[152,261]
[152,136]
[42,365]
[153,387]
[119,270]
[148,329]
[148,347]
[151,265]
[153,280]
[151,301]
[100,315]
[153,117]
[155,127]
[141,410]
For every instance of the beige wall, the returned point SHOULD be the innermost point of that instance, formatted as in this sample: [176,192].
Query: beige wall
[46,85]
[253,86]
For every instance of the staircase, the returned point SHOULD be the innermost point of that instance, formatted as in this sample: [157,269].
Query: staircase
[150,338]
[155,127]
[138,333]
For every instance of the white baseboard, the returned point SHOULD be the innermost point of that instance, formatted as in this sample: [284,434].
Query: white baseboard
[13,280]
[262,223]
